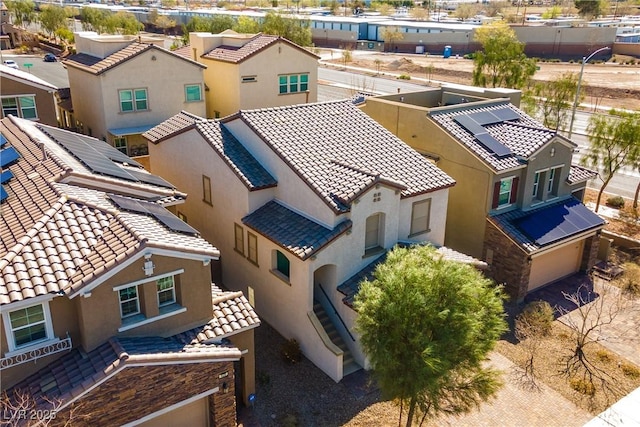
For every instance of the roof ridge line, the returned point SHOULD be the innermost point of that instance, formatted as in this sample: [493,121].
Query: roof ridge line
[226,296]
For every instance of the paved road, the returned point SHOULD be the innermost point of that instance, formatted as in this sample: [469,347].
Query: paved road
[51,72]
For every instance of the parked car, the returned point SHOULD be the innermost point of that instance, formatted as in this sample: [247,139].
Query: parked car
[49,57]
[11,63]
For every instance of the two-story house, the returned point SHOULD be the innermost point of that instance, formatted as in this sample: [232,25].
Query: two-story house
[107,308]
[122,86]
[517,202]
[27,96]
[303,200]
[248,71]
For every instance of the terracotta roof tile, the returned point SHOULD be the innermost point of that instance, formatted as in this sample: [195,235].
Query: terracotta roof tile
[238,54]
[339,151]
[522,136]
[290,230]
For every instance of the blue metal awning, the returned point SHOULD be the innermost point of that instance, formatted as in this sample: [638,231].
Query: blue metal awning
[546,226]
[135,130]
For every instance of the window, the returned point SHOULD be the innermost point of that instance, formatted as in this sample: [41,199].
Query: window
[133,100]
[420,217]
[239,238]
[121,144]
[538,179]
[282,264]
[29,325]
[21,106]
[252,248]
[553,181]
[193,93]
[206,190]
[505,192]
[129,302]
[166,291]
[372,234]
[293,83]
[249,79]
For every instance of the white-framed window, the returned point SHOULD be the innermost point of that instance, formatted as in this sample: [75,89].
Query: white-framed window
[133,100]
[129,301]
[238,232]
[420,213]
[20,106]
[193,93]
[252,248]
[282,264]
[293,83]
[166,291]
[506,185]
[120,143]
[27,326]
[538,185]
[553,181]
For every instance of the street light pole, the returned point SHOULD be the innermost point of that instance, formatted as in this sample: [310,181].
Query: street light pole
[575,101]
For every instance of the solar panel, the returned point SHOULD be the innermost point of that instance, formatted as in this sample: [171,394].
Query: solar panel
[506,114]
[8,156]
[158,212]
[150,178]
[469,124]
[3,194]
[558,222]
[485,118]
[492,144]
[3,140]
[114,154]
[6,176]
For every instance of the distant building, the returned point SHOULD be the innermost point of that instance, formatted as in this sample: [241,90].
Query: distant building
[27,96]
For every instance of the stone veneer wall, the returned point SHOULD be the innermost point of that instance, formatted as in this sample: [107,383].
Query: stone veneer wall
[590,252]
[509,265]
[139,391]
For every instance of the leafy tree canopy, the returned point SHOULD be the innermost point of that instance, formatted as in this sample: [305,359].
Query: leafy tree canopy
[52,17]
[501,62]
[589,8]
[426,326]
[552,100]
[293,29]
[24,11]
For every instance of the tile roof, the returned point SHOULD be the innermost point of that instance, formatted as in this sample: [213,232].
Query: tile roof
[579,174]
[97,66]
[340,152]
[508,223]
[59,237]
[232,152]
[350,287]
[27,78]
[236,54]
[523,136]
[75,373]
[292,231]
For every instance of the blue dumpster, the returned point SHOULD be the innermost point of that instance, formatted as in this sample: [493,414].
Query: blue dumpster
[447,51]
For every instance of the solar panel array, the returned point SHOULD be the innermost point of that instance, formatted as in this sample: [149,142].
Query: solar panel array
[474,123]
[7,157]
[101,158]
[557,222]
[158,212]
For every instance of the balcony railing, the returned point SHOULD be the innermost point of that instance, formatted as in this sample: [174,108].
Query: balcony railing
[36,353]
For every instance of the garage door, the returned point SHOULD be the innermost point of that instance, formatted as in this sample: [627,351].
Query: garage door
[555,265]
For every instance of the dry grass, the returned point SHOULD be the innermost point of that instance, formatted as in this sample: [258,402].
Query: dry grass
[627,225]
[548,364]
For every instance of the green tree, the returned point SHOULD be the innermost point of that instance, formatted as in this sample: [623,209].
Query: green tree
[246,25]
[426,326]
[552,13]
[52,17]
[552,100]
[589,8]
[94,19]
[23,11]
[501,62]
[391,35]
[615,143]
[122,23]
[164,22]
[293,29]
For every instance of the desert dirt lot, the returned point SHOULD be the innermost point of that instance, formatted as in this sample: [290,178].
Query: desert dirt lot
[609,85]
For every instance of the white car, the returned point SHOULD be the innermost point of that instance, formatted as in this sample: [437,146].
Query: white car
[11,63]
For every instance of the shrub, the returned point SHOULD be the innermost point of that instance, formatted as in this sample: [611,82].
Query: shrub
[537,315]
[603,356]
[630,370]
[583,386]
[404,77]
[629,281]
[291,351]
[615,202]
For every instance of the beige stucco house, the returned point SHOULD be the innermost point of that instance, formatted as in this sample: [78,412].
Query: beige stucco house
[107,307]
[517,202]
[303,200]
[247,71]
[27,96]
[122,86]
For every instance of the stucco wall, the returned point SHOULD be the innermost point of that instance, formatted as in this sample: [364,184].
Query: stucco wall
[45,101]
[99,314]
[88,102]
